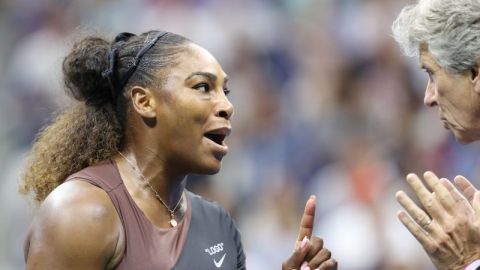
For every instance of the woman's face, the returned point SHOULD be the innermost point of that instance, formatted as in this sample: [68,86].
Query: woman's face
[193,113]
[455,96]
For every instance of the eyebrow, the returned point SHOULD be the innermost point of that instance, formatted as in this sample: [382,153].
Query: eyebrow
[429,68]
[209,75]
[425,67]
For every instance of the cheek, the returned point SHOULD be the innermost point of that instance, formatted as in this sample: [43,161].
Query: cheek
[457,101]
[190,117]
[199,110]
[442,89]
[448,94]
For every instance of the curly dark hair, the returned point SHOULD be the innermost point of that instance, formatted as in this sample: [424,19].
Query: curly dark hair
[93,129]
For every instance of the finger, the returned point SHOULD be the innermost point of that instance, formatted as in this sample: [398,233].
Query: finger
[462,203]
[453,191]
[322,256]
[476,204]
[418,215]
[417,232]
[331,264]
[308,218]
[465,186]
[442,194]
[298,256]
[305,266]
[433,208]
[316,246]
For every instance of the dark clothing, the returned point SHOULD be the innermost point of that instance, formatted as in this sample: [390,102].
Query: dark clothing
[206,237]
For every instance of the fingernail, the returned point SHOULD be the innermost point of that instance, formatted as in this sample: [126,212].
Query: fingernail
[304,242]
[429,174]
[410,178]
[304,266]
[398,194]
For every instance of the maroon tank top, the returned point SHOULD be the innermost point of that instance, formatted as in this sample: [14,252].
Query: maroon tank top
[146,246]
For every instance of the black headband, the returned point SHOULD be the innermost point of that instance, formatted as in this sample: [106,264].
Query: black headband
[118,41]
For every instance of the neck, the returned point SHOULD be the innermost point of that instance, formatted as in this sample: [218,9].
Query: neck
[169,185]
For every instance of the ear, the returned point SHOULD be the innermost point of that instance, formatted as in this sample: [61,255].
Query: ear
[143,101]
[476,77]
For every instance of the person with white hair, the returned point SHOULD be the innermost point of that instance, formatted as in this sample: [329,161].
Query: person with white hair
[445,35]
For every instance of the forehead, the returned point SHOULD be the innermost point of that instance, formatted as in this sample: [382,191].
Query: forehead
[197,58]
[426,58]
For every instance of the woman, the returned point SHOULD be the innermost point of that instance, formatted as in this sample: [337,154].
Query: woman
[110,172]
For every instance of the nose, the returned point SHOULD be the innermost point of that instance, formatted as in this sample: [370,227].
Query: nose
[224,108]
[430,99]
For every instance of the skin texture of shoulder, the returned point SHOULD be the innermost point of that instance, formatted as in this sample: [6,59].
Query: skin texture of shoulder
[76,227]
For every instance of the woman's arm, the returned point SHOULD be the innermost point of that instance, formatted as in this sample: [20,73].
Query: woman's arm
[76,227]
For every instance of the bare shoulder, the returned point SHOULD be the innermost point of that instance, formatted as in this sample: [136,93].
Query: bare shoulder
[76,227]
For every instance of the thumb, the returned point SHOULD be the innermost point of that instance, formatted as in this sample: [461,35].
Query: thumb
[298,256]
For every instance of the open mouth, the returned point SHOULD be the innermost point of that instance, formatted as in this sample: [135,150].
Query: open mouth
[216,138]
[218,135]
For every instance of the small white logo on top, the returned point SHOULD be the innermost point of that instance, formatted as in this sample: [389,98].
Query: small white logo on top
[214,250]
[219,263]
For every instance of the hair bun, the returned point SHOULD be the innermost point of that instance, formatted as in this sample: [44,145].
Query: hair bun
[82,71]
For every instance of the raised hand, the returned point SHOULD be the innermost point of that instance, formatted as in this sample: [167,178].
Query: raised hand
[309,252]
[448,228]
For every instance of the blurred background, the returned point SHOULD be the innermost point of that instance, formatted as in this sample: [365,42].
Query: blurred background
[325,104]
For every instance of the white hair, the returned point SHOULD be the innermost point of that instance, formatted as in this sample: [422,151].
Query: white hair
[450,28]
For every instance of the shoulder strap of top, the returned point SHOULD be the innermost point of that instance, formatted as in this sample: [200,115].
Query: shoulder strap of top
[104,175]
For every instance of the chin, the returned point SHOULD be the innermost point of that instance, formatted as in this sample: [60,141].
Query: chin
[462,141]
[209,169]
[463,138]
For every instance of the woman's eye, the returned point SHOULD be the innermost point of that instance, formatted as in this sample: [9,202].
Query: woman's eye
[429,72]
[204,87]
[226,91]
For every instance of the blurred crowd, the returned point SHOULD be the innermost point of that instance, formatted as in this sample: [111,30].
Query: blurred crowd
[325,104]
